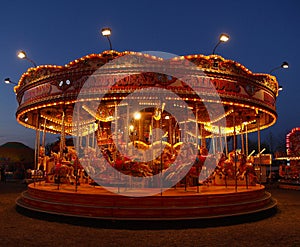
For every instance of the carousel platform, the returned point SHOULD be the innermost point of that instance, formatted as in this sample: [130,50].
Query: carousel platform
[173,204]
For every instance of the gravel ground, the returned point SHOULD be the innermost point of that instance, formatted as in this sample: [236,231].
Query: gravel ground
[22,228]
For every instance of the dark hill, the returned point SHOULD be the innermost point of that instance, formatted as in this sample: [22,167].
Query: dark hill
[16,145]
[16,152]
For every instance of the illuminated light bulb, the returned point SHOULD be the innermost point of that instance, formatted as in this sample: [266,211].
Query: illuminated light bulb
[137,115]
[131,127]
[21,54]
[285,65]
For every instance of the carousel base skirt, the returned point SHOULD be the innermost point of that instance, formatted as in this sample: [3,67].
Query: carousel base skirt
[173,204]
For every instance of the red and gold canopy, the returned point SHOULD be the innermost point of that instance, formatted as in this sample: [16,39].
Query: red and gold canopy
[45,92]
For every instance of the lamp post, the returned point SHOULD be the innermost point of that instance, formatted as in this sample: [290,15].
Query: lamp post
[22,55]
[8,81]
[106,32]
[222,39]
[284,65]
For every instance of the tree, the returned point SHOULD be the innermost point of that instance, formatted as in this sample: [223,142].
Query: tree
[253,145]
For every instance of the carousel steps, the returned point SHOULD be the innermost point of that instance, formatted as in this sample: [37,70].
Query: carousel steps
[168,207]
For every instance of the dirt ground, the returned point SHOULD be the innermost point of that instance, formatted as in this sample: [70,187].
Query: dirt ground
[22,228]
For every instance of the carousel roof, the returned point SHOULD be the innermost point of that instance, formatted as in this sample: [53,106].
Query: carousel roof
[46,91]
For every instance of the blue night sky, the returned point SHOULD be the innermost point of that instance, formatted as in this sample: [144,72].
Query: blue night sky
[263,35]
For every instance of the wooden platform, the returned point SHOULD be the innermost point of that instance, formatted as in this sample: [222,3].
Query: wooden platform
[173,204]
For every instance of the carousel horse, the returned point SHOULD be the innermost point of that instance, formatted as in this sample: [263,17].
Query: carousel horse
[60,174]
[242,168]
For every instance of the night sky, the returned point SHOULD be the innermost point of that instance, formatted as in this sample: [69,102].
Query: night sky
[263,35]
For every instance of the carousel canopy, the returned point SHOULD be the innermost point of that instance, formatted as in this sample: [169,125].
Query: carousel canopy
[47,94]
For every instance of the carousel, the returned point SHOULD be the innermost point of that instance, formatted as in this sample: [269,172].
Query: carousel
[154,137]
[289,169]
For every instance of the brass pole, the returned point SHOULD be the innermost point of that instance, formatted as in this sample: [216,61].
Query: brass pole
[242,139]
[62,135]
[234,149]
[220,139]
[258,146]
[36,148]
[247,144]
[161,161]
[117,143]
[44,134]
[78,140]
[197,147]
[226,146]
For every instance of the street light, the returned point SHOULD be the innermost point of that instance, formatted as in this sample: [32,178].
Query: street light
[8,81]
[22,55]
[106,32]
[222,39]
[284,65]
